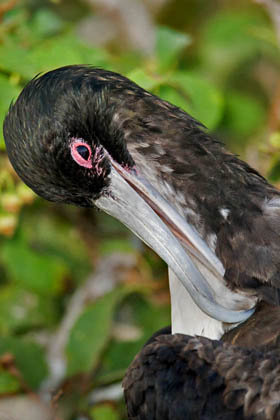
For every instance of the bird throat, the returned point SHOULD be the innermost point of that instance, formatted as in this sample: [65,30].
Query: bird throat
[186,317]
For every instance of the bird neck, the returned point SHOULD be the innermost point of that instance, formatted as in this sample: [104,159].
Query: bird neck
[186,317]
[205,183]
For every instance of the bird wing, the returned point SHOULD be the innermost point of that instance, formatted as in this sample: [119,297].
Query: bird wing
[178,376]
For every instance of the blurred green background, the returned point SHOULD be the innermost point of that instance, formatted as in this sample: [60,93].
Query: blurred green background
[79,295]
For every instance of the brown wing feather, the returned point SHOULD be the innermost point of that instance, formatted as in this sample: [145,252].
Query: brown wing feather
[178,377]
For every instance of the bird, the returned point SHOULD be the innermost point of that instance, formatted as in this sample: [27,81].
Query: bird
[93,138]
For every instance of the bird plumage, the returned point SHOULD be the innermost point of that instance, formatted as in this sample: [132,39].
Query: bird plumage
[76,133]
[182,377]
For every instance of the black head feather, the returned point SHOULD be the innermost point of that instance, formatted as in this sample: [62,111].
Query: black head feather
[73,102]
[104,109]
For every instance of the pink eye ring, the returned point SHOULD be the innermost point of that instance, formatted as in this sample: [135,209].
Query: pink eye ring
[81,153]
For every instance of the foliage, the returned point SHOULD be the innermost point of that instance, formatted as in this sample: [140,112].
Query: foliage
[224,74]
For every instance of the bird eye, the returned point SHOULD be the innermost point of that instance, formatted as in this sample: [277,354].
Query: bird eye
[81,153]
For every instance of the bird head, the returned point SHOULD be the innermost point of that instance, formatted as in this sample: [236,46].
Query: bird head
[64,120]
[90,137]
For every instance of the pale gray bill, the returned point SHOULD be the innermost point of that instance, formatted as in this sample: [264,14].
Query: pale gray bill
[203,257]
[126,205]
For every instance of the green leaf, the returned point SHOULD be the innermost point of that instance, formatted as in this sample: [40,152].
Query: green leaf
[64,50]
[8,383]
[58,239]
[274,139]
[274,173]
[31,269]
[196,96]
[169,45]
[244,114]
[142,78]
[117,359]
[15,59]
[20,310]
[8,92]
[149,318]
[51,53]
[229,38]
[104,412]
[29,359]
[45,23]
[91,333]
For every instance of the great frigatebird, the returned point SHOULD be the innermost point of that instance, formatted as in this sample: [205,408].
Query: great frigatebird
[91,137]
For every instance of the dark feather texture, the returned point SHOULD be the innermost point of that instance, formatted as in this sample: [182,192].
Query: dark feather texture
[178,377]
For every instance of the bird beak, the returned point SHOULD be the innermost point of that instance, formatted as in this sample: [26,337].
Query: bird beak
[139,206]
